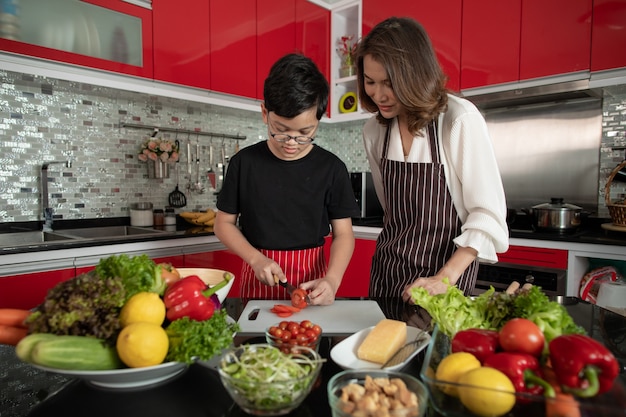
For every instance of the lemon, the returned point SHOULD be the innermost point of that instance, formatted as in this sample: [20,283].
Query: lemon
[452,367]
[142,344]
[491,393]
[145,307]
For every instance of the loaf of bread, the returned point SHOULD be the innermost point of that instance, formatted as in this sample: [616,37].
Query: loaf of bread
[383,341]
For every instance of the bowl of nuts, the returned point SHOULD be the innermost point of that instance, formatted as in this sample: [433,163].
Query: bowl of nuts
[370,393]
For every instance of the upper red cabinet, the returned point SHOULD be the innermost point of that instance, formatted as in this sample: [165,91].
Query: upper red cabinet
[608,36]
[556,37]
[276,35]
[490,45]
[313,34]
[513,40]
[103,34]
[441,19]
[182,48]
[233,47]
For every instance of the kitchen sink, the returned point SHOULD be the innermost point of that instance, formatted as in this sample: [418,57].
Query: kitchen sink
[108,232]
[30,238]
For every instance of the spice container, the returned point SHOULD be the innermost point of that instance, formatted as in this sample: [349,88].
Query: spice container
[170,219]
[159,217]
[170,216]
[141,214]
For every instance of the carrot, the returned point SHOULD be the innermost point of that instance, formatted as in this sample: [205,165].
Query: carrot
[14,317]
[563,404]
[11,335]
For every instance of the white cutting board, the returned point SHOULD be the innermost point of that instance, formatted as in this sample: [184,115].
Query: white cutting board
[343,317]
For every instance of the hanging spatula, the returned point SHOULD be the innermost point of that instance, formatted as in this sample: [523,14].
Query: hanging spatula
[177,198]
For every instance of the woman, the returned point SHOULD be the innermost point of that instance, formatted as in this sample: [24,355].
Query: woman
[281,196]
[433,166]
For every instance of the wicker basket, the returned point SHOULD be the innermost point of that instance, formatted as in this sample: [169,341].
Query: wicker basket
[617,210]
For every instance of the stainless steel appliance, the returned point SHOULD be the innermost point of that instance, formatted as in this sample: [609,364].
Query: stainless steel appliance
[552,281]
[365,194]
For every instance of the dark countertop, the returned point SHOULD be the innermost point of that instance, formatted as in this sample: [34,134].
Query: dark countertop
[181,230]
[590,232]
[198,391]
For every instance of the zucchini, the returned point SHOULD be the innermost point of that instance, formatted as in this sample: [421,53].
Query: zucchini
[75,353]
[25,346]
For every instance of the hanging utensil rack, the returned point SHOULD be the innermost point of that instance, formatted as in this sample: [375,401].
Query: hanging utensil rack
[183,131]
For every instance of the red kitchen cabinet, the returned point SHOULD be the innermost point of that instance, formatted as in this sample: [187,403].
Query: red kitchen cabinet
[276,35]
[27,291]
[523,39]
[608,36]
[556,37]
[313,34]
[542,257]
[441,19]
[220,259]
[356,279]
[102,34]
[182,48]
[233,47]
[490,46]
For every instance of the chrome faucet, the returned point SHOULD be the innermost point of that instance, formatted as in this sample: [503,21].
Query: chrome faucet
[48,212]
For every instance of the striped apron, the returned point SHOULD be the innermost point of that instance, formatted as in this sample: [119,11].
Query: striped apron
[420,223]
[298,265]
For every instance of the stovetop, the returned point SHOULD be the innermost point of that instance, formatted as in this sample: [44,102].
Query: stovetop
[590,231]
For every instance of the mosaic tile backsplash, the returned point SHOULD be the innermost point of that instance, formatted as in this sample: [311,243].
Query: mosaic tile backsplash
[46,120]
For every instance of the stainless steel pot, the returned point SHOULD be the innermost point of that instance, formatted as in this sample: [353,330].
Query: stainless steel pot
[555,215]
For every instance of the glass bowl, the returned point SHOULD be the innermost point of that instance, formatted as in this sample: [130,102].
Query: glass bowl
[292,344]
[609,404]
[249,374]
[342,379]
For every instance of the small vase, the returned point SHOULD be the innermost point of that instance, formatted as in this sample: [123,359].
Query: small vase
[347,71]
[158,169]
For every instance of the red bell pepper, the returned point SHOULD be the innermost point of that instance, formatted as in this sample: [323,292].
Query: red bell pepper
[583,366]
[523,370]
[191,297]
[479,342]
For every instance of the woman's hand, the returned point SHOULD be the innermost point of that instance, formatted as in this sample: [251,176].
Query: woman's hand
[434,286]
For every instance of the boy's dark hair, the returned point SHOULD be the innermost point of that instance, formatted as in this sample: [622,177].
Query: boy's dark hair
[294,85]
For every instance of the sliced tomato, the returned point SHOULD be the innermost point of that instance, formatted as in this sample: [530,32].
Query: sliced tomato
[298,298]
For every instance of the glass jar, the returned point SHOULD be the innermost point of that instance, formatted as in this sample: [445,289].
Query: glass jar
[170,216]
[158,217]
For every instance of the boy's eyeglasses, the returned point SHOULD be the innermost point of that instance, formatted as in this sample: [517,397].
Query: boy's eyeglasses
[282,138]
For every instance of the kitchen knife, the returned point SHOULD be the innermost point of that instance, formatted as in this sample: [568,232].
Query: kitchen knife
[290,288]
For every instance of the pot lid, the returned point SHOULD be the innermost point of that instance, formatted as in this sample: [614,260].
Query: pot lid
[556,204]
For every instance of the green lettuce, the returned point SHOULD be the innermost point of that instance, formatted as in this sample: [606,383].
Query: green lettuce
[452,311]
[137,273]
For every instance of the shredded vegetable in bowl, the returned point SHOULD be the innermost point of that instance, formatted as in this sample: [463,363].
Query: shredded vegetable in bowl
[263,380]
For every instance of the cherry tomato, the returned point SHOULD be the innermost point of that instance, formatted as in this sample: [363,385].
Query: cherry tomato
[317,329]
[522,335]
[283,324]
[286,336]
[306,324]
[294,328]
[298,298]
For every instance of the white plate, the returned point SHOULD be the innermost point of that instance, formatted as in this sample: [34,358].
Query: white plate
[345,352]
[124,378]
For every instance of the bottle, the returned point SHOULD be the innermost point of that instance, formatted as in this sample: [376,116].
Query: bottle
[170,216]
[158,217]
